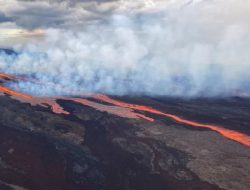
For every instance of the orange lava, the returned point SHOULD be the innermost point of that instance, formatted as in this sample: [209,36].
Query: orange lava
[120,108]
[56,108]
[230,134]
[119,111]
[49,102]
[44,102]
[8,91]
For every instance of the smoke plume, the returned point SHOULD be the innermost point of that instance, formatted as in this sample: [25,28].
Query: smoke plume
[199,49]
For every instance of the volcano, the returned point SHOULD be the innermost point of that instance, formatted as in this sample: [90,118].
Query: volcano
[96,141]
[124,95]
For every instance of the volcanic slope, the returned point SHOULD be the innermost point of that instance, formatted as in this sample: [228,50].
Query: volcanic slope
[133,143]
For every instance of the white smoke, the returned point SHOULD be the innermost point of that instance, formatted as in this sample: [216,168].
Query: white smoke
[197,49]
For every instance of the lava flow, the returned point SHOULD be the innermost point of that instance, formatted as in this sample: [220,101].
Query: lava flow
[118,108]
[233,135]
[51,102]
[44,102]
[115,110]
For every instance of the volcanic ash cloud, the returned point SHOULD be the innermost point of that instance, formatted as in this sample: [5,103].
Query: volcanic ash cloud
[200,49]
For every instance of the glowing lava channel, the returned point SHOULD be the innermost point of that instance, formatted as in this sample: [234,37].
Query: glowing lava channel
[230,134]
[56,108]
[119,108]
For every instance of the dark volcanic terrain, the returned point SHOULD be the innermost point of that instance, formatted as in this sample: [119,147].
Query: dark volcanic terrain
[93,149]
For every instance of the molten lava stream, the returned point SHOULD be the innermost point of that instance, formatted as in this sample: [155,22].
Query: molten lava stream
[230,134]
[115,110]
[56,108]
[44,102]
[6,90]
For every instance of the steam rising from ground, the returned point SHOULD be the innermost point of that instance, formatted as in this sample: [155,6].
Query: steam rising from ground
[200,49]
